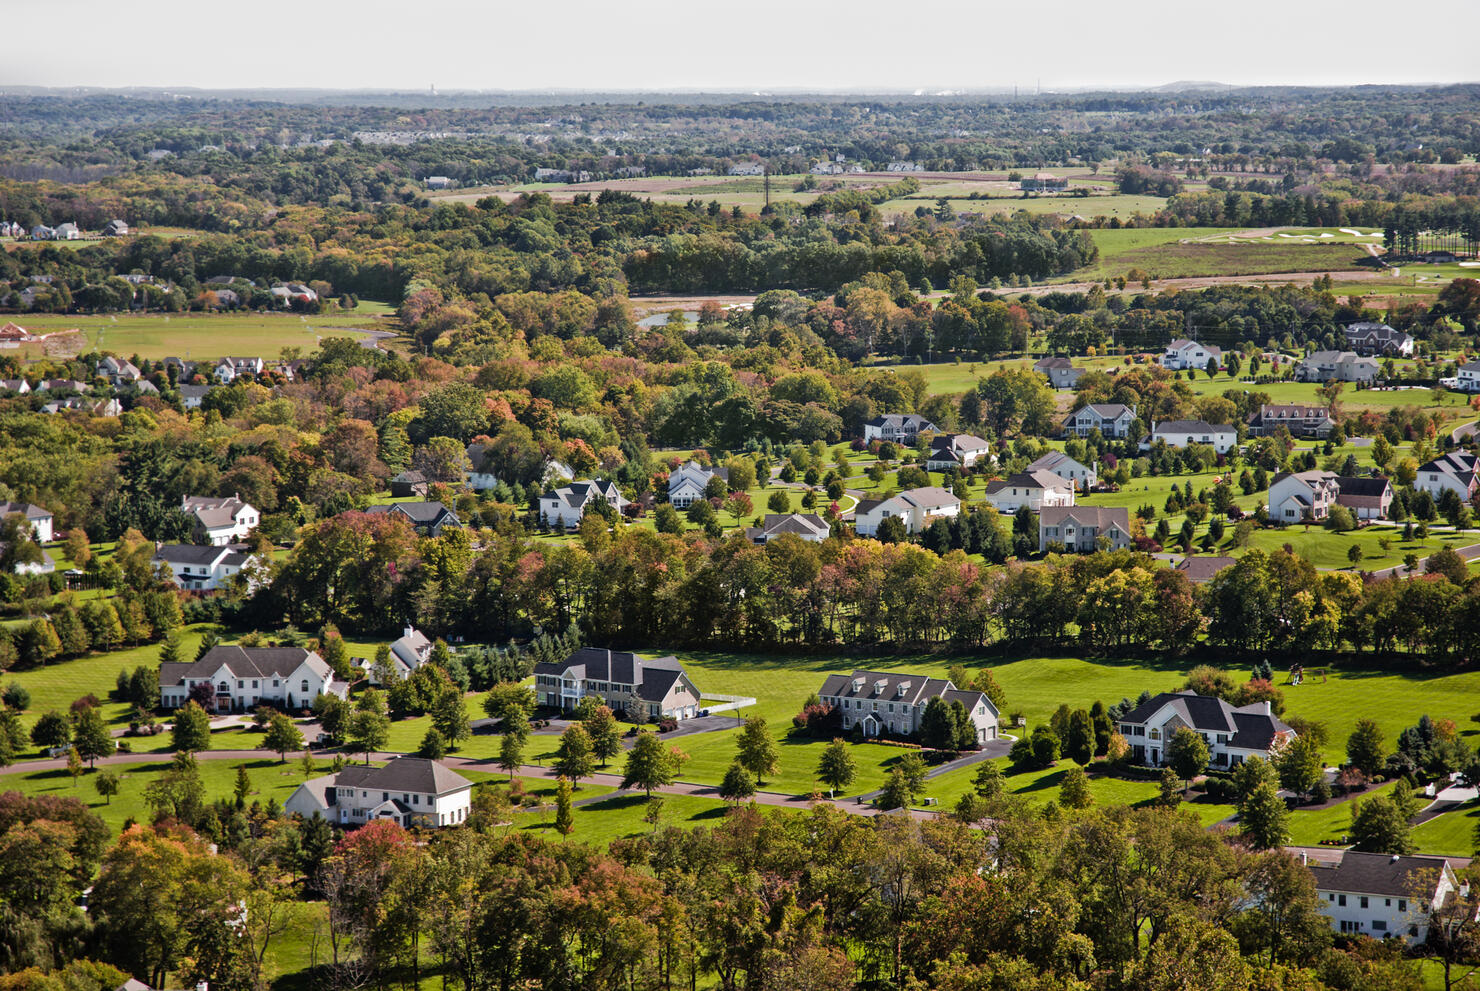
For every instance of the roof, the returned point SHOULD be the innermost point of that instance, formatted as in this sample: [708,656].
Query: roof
[249,662]
[652,676]
[426,513]
[410,475]
[901,420]
[1289,411]
[1100,517]
[1376,873]
[1368,486]
[1193,427]
[577,494]
[1035,479]
[1105,411]
[897,686]
[1253,727]
[194,391]
[29,510]
[929,497]
[411,648]
[1043,364]
[197,554]
[1052,460]
[403,774]
[802,524]
[1202,569]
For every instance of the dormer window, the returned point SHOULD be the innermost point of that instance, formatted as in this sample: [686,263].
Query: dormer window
[880,685]
[903,687]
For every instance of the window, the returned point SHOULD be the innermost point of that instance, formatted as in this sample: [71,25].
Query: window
[385,796]
[254,682]
[1378,925]
[274,683]
[1341,899]
[305,685]
[240,683]
[1364,901]
[1402,904]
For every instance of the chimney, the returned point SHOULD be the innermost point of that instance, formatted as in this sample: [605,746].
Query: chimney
[1267,710]
[1395,859]
[408,630]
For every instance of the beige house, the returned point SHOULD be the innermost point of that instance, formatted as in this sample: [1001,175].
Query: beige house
[1081,528]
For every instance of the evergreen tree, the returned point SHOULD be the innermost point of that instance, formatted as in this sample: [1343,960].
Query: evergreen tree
[1079,742]
[243,786]
[937,728]
[1074,789]
[987,782]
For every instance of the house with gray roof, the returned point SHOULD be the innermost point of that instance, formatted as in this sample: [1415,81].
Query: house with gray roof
[1110,419]
[407,653]
[428,518]
[566,505]
[202,568]
[893,702]
[1233,735]
[915,508]
[1202,568]
[409,791]
[1380,894]
[118,371]
[948,451]
[644,688]
[1371,337]
[1336,366]
[1060,372]
[1180,433]
[806,526]
[1060,464]
[688,482]
[1036,489]
[241,678]
[220,519]
[1301,419]
[39,518]
[1080,529]
[900,428]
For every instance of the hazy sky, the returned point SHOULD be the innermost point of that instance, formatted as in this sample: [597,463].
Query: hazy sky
[745,46]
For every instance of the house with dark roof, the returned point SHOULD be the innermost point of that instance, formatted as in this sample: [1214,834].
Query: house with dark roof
[242,678]
[899,428]
[1081,529]
[1307,496]
[428,518]
[963,451]
[806,526]
[1180,433]
[1382,895]
[1369,337]
[230,369]
[198,568]
[409,483]
[1200,568]
[191,396]
[1457,470]
[687,482]
[1060,372]
[18,386]
[1233,735]
[220,520]
[115,228]
[479,476]
[1110,419]
[1337,366]
[644,688]
[1300,419]
[118,371]
[409,791]
[1060,464]
[1467,377]
[893,702]
[915,508]
[566,506]
[1036,489]
[39,518]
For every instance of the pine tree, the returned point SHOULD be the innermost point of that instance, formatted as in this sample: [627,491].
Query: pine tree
[987,781]
[243,786]
[1079,742]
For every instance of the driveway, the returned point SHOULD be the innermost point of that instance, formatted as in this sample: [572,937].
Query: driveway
[1469,553]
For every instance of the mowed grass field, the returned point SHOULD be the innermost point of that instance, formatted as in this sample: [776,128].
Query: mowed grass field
[200,336]
[1172,256]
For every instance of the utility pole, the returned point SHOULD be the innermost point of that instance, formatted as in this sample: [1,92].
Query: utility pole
[768,185]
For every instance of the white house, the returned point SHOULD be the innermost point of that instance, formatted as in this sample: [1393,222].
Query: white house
[1061,372]
[1034,489]
[1467,378]
[198,568]
[1060,464]
[1110,419]
[916,508]
[480,476]
[220,520]
[407,654]
[1080,528]
[230,369]
[1380,894]
[1457,470]
[806,526]
[1367,337]
[191,396]
[657,687]
[40,519]
[242,678]
[1179,433]
[118,371]
[409,791]
[18,386]
[566,505]
[1295,497]
[1183,353]
[1233,735]
[894,702]
[45,566]
[1338,366]
[688,481]
[901,428]
[962,451]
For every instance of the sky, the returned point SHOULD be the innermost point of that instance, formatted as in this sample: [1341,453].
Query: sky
[747,47]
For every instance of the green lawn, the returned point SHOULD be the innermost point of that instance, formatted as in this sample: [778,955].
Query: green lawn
[619,818]
[1452,833]
[200,336]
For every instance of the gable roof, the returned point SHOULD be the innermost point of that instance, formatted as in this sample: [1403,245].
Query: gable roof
[1252,727]
[1034,479]
[897,686]
[403,774]
[652,676]
[1043,364]
[1193,427]
[29,510]
[802,524]
[1376,873]
[1104,411]
[248,662]
[1100,517]
[912,420]
[1055,459]
[206,556]
[1371,486]
[424,513]
[1201,568]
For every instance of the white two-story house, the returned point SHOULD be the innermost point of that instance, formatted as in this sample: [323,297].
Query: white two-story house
[566,505]
[1382,895]
[242,678]
[916,508]
[220,520]
[202,568]
[1180,433]
[1070,470]
[1467,377]
[1080,529]
[1233,735]
[1035,489]
[893,702]
[657,688]
[1110,419]
[901,428]
[409,791]
[1458,471]
[1183,353]
[688,481]
[948,451]
[40,519]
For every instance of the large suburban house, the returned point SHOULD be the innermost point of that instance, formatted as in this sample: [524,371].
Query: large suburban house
[1071,471]
[40,519]
[45,566]
[656,688]
[220,520]
[962,451]
[1307,496]
[901,428]
[230,369]
[1183,353]
[1380,894]
[1080,528]
[1180,433]
[198,568]
[1457,470]
[1233,735]
[1298,418]
[1035,489]
[243,678]
[1467,377]
[1061,372]
[687,483]
[566,505]
[406,655]
[409,791]
[1367,337]
[191,396]
[807,526]
[427,518]
[1336,366]
[916,508]
[1110,419]
[118,371]
[894,702]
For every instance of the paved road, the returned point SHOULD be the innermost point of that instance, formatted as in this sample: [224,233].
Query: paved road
[995,748]
[1469,553]
[1465,430]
